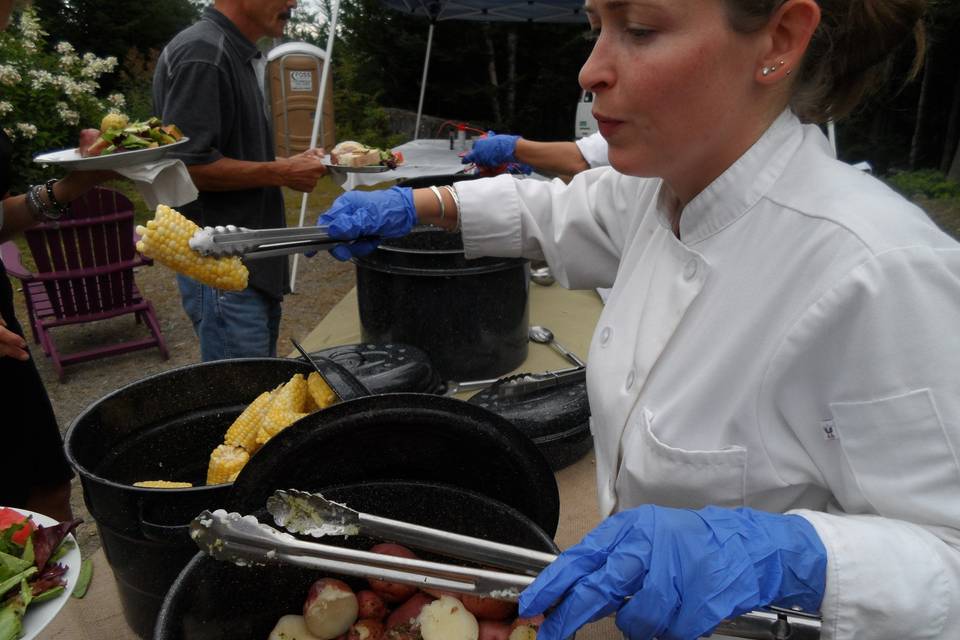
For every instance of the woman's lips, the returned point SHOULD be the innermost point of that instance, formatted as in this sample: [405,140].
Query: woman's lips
[607,126]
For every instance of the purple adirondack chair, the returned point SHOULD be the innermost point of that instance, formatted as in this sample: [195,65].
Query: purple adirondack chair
[85,265]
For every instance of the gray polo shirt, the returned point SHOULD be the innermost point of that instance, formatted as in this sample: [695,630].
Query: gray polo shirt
[206,84]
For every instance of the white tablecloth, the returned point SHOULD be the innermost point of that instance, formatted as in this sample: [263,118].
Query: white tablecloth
[420,158]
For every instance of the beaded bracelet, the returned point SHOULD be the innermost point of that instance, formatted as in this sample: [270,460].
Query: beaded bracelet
[38,208]
[456,201]
[61,209]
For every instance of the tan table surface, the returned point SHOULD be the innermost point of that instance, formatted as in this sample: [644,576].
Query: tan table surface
[571,315]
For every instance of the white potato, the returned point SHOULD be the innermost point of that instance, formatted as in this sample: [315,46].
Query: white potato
[291,627]
[447,619]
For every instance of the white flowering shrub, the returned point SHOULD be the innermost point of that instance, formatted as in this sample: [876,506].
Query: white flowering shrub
[47,94]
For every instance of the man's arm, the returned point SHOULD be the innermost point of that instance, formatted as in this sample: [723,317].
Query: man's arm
[299,172]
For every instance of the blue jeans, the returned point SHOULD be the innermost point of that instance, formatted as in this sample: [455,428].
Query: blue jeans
[231,324]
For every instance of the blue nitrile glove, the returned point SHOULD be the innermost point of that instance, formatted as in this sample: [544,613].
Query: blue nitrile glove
[492,151]
[683,571]
[387,214]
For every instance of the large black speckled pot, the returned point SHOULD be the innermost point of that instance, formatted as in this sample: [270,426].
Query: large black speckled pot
[404,437]
[470,316]
[214,600]
[160,428]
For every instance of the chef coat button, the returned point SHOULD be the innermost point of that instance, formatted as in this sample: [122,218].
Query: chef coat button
[631,378]
[605,335]
[690,269]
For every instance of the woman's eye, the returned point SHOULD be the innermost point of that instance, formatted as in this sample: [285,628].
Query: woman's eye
[639,32]
[591,35]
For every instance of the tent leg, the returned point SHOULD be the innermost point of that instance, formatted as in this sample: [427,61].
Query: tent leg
[423,82]
[317,116]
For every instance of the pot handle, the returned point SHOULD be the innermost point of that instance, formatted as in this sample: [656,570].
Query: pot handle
[163,533]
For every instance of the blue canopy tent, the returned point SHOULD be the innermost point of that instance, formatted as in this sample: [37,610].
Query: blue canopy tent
[569,11]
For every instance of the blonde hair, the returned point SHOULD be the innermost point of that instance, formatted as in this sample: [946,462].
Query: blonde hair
[850,53]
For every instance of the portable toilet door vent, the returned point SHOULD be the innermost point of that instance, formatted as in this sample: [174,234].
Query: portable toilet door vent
[293,77]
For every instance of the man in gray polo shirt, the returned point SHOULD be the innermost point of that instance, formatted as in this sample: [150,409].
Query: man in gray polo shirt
[206,82]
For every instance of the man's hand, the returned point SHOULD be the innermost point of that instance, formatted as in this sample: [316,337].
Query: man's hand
[301,172]
[12,345]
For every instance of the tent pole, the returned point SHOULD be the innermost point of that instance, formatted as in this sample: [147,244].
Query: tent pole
[317,117]
[423,82]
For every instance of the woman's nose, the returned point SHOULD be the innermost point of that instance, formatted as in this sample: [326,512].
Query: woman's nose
[597,73]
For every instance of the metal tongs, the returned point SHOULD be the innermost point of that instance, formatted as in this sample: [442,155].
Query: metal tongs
[261,243]
[244,540]
[523,383]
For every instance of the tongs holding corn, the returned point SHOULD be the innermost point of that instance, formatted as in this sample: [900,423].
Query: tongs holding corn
[246,541]
[260,243]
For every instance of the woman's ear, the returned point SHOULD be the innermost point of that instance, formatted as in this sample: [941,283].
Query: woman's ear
[789,31]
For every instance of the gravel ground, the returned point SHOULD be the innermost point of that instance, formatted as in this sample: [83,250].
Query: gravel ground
[321,283]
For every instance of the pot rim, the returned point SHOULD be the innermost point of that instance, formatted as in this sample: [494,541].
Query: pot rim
[88,474]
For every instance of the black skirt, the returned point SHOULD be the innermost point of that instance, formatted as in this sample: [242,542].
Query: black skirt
[31,449]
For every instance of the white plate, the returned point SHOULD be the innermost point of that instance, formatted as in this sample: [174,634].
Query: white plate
[71,158]
[340,168]
[39,615]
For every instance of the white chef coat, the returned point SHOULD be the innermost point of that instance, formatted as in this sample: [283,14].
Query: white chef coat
[594,149]
[797,348]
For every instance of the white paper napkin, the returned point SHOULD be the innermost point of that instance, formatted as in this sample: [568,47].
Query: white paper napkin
[163,182]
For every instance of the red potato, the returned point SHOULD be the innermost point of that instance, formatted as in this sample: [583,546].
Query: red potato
[525,628]
[330,608]
[403,632]
[366,630]
[408,612]
[370,605]
[494,630]
[447,619]
[488,608]
[392,592]
[87,138]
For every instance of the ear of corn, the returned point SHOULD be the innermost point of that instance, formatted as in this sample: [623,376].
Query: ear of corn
[269,414]
[287,407]
[166,239]
[226,461]
[320,392]
[163,484]
[243,431]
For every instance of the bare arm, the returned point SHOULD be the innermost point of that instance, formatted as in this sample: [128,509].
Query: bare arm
[558,158]
[17,216]
[299,172]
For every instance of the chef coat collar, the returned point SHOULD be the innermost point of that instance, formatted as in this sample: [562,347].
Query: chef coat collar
[742,185]
[246,50]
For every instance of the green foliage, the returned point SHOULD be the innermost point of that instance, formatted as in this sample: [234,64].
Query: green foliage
[928,183]
[46,96]
[112,27]
[136,82]
[358,114]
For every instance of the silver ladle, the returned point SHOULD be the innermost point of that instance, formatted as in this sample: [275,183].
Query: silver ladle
[543,335]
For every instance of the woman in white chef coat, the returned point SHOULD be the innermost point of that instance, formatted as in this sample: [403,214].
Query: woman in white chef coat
[774,379]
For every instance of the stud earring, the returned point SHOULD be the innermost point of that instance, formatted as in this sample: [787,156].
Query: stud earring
[768,70]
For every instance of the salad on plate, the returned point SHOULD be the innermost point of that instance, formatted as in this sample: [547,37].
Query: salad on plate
[31,567]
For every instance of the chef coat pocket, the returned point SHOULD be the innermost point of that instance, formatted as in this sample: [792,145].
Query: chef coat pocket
[656,472]
[900,455]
